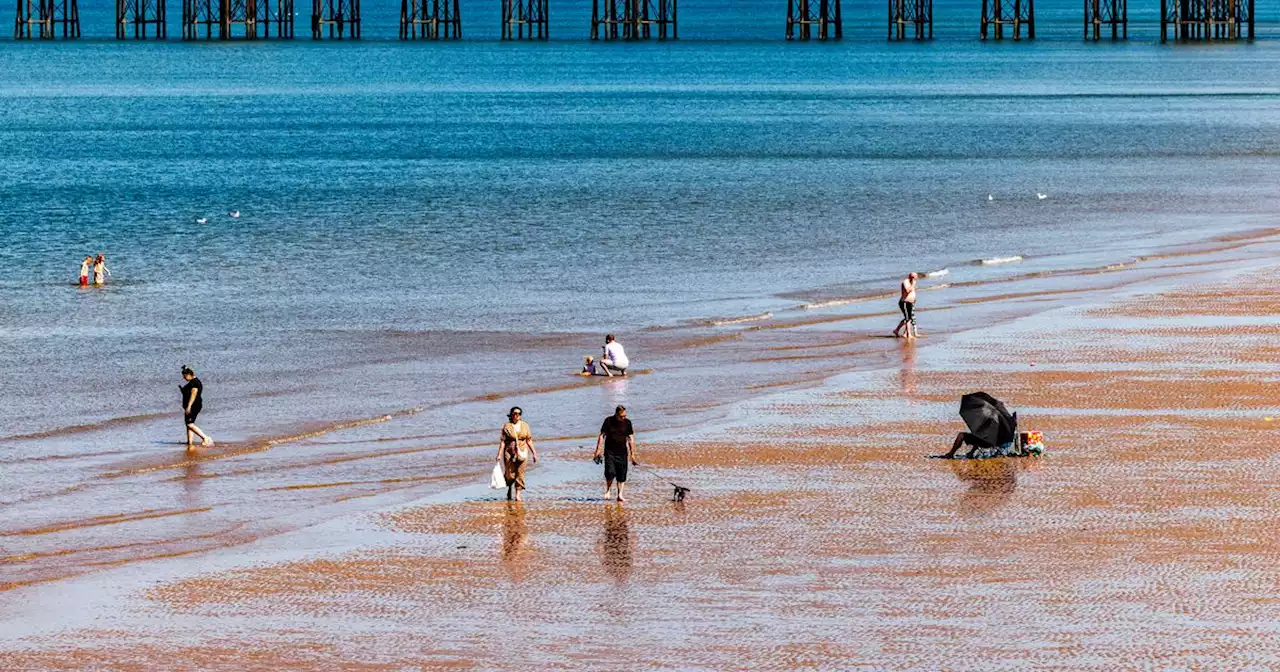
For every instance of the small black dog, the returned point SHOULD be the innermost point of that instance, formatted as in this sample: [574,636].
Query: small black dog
[680,493]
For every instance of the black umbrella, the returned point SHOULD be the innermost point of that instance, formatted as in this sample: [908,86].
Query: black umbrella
[988,420]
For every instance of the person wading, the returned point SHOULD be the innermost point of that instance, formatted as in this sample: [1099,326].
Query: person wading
[515,451]
[907,304]
[192,402]
[617,445]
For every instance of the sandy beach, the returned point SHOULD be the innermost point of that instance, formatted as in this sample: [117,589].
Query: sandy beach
[818,535]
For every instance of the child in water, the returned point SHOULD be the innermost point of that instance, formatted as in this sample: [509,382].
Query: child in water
[100,270]
[589,369]
[84,270]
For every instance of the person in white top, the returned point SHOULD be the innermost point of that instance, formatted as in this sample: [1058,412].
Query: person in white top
[615,358]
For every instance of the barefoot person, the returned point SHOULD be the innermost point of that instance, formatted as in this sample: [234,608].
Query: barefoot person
[615,358]
[907,304]
[192,402]
[100,270]
[515,451]
[84,270]
[617,445]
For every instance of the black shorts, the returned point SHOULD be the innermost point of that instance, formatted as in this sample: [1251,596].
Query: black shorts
[615,468]
[908,309]
[190,418]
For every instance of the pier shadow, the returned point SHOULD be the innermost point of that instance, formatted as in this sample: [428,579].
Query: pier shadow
[617,548]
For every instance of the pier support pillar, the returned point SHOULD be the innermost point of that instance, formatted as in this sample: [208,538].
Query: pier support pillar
[1206,20]
[634,20]
[46,19]
[1017,14]
[146,18]
[916,14]
[1099,14]
[804,15]
[435,19]
[525,20]
[341,18]
[232,19]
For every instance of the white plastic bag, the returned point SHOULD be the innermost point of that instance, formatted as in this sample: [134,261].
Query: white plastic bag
[497,479]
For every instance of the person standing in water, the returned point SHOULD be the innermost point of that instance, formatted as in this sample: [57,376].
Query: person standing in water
[192,402]
[100,270]
[617,445]
[515,451]
[84,270]
[907,304]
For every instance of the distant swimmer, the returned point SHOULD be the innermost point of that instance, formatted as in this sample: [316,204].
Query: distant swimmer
[84,270]
[515,451]
[589,366]
[192,402]
[615,358]
[616,447]
[907,304]
[234,214]
[100,270]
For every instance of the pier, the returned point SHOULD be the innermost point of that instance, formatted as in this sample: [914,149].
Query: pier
[227,19]
[633,20]
[46,19]
[911,17]
[1015,14]
[805,15]
[1206,20]
[147,18]
[335,19]
[430,20]
[525,20]
[1106,13]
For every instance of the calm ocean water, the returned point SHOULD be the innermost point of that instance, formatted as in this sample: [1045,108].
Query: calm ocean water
[423,208]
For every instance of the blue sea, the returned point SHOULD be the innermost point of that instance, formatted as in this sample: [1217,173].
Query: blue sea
[432,232]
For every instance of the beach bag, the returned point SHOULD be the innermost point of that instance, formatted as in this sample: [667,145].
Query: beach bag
[497,479]
[1033,443]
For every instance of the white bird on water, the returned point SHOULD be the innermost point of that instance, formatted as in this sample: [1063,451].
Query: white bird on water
[990,197]
[235,214]
[1041,196]
[201,220]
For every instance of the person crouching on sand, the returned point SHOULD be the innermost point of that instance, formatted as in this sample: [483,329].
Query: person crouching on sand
[617,445]
[192,402]
[100,270]
[615,358]
[515,451]
[84,270]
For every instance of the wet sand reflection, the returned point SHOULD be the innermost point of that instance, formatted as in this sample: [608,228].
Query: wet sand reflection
[515,534]
[991,482]
[616,545]
[907,375]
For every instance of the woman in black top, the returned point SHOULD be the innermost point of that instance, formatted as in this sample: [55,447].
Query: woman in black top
[192,402]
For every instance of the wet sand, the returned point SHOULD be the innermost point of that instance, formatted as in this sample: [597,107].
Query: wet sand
[818,535]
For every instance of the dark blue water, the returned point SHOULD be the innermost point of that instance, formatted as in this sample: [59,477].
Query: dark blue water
[463,192]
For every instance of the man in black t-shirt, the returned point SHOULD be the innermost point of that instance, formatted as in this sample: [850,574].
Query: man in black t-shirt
[617,444]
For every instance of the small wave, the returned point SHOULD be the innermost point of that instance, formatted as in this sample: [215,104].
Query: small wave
[942,285]
[723,322]
[938,273]
[1000,260]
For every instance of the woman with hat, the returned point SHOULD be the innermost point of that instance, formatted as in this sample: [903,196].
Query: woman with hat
[515,451]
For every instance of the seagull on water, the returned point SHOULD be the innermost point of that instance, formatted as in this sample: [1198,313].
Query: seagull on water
[990,197]
[201,220]
[235,214]
[1041,196]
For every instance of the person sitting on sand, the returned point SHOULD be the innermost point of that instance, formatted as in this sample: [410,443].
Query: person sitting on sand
[515,451]
[589,368]
[84,270]
[907,304]
[965,438]
[615,358]
[192,402]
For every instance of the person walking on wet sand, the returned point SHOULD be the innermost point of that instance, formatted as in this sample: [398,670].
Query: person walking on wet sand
[617,446]
[907,304]
[515,451]
[84,270]
[192,402]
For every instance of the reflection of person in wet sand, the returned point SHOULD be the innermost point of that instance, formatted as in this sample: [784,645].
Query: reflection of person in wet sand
[615,544]
[991,484]
[192,403]
[514,533]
